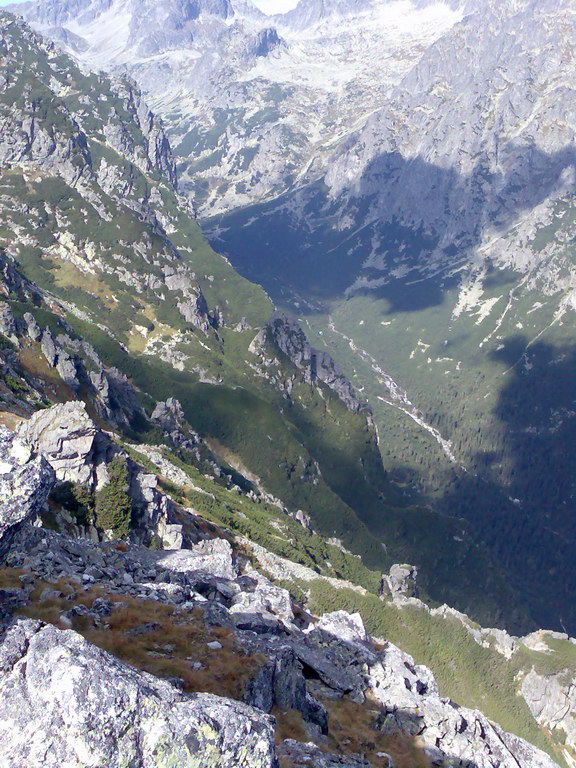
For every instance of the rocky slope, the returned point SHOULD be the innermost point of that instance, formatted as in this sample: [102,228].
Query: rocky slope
[133,717]
[176,564]
[255,103]
[96,598]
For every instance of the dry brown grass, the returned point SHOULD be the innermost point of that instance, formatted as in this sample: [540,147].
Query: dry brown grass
[9,419]
[289,725]
[34,362]
[10,577]
[180,640]
[69,276]
[169,650]
[352,731]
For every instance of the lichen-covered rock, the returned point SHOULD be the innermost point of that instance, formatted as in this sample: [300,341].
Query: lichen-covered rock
[552,701]
[66,704]
[264,599]
[25,482]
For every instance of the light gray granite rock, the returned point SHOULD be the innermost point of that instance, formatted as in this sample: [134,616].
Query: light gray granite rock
[66,704]
[69,439]
[25,482]
[552,701]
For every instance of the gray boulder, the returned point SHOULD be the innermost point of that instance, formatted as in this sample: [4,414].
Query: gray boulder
[400,582]
[25,482]
[65,703]
[32,328]
[301,755]
[214,556]
[259,596]
[345,626]
[552,701]
[72,443]
[7,321]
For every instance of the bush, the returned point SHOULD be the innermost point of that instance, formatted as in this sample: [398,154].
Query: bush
[113,504]
[14,384]
[6,343]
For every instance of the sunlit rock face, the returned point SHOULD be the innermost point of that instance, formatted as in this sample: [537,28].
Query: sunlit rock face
[254,103]
[25,482]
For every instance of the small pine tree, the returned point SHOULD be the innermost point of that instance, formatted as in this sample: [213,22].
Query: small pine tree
[84,507]
[113,504]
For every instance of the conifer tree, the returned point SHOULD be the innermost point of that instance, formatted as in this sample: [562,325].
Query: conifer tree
[113,504]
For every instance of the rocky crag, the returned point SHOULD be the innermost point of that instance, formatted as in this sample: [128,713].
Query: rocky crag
[209,608]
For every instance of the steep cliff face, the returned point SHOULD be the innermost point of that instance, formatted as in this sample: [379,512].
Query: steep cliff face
[264,113]
[496,177]
[552,700]
[96,168]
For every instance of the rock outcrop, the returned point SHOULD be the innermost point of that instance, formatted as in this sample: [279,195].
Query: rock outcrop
[74,360]
[412,703]
[25,482]
[314,364]
[80,452]
[169,416]
[400,582]
[75,447]
[552,701]
[65,703]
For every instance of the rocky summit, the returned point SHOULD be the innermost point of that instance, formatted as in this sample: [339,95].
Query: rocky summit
[287,384]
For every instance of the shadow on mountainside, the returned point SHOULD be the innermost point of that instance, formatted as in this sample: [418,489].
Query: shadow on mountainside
[317,255]
[521,501]
[303,244]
